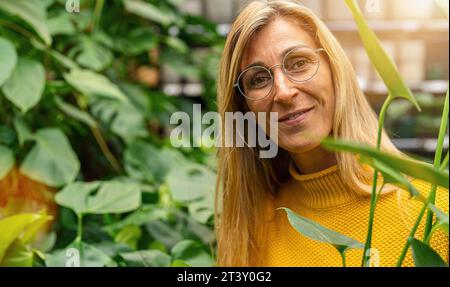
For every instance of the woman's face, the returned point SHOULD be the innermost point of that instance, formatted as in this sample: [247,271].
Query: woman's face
[310,103]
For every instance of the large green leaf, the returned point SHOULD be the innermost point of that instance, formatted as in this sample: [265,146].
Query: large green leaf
[6,161]
[124,119]
[18,227]
[194,186]
[148,11]
[145,162]
[92,54]
[32,12]
[100,197]
[146,258]
[25,85]
[191,183]
[93,85]
[425,256]
[315,231]
[379,58]
[192,253]
[78,255]
[416,169]
[61,24]
[8,59]
[76,113]
[52,160]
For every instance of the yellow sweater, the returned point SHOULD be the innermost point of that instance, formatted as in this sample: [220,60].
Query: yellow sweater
[324,198]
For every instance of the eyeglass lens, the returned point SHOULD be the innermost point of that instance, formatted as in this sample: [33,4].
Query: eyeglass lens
[300,65]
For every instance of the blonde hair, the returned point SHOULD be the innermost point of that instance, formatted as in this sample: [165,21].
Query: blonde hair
[245,181]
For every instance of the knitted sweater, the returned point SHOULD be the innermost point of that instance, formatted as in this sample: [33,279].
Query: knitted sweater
[324,198]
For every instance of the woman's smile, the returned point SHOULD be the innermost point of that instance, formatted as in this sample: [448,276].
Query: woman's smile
[296,118]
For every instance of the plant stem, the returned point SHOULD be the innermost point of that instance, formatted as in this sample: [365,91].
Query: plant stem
[373,196]
[411,235]
[437,164]
[27,34]
[344,264]
[444,162]
[105,149]
[97,13]
[427,239]
[99,138]
[79,237]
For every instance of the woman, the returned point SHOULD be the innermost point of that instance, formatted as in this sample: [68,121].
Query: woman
[279,57]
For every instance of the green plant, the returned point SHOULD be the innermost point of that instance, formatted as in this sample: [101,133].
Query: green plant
[82,111]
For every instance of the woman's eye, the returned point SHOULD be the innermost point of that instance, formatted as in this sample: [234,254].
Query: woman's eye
[298,64]
[258,82]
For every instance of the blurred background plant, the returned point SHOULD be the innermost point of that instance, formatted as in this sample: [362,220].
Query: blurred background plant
[83,110]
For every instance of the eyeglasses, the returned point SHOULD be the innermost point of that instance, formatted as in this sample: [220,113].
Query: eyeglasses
[299,65]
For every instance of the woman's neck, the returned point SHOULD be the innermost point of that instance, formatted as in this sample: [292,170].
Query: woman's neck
[314,160]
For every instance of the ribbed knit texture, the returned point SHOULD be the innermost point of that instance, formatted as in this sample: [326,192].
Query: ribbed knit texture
[324,198]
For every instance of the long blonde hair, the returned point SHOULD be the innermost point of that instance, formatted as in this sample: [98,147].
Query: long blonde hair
[245,181]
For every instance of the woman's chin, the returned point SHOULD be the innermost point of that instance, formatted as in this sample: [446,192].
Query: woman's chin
[299,142]
[299,146]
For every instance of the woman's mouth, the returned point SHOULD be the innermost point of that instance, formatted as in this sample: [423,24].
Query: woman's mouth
[295,118]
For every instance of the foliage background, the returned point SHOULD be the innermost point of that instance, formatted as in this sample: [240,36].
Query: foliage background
[81,101]
[84,116]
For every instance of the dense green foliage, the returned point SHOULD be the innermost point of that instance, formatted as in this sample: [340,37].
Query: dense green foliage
[77,114]
[82,111]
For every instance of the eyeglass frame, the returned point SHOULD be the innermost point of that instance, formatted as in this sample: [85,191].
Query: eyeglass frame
[236,85]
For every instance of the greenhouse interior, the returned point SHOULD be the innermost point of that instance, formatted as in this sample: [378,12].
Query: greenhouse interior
[87,90]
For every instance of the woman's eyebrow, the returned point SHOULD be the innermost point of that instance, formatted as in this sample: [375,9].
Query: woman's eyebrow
[283,54]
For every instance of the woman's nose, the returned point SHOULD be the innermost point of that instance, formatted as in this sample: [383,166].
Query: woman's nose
[283,87]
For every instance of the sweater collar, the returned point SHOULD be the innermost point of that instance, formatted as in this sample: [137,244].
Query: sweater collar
[322,189]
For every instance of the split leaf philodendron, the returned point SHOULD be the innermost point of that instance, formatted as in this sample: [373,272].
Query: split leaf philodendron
[82,110]
[100,198]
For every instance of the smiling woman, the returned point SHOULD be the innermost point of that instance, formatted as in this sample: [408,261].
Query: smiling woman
[280,57]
